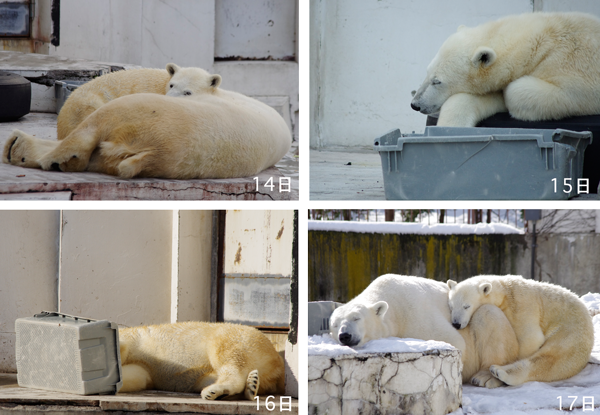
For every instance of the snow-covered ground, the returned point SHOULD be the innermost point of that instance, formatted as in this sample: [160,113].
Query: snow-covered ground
[581,392]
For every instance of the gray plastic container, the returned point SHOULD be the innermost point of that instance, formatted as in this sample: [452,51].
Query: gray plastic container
[318,316]
[62,90]
[68,354]
[449,163]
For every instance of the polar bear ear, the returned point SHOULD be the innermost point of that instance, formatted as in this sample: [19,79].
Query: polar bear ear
[485,288]
[215,81]
[172,69]
[380,308]
[451,284]
[483,56]
[461,27]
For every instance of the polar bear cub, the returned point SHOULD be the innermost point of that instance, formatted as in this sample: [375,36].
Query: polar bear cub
[537,66]
[414,307]
[553,327]
[213,359]
[174,82]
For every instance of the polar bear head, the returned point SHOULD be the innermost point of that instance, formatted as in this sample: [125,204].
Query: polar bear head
[462,65]
[190,81]
[355,324]
[465,298]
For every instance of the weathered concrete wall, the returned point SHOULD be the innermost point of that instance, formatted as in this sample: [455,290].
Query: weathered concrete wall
[570,260]
[385,383]
[341,265]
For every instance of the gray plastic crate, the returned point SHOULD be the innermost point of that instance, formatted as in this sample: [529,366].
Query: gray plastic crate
[62,90]
[68,354]
[448,163]
[318,316]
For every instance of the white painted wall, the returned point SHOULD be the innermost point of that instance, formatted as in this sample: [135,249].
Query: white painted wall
[368,55]
[28,272]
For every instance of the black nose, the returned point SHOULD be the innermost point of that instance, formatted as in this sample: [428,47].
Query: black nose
[415,107]
[456,326]
[345,338]
[55,167]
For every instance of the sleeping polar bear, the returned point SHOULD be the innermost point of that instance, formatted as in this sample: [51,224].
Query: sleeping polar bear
[414,307]
[213,359]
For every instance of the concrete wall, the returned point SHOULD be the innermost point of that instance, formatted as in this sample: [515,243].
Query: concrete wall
[29,246]
[341,265]
[368,55]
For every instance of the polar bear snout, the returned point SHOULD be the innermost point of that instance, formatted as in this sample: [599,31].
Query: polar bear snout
[456,325]
[415,106]
[347,339]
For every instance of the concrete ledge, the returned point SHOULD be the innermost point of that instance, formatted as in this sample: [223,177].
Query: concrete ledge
[17,400]
[385,383]
[21,183]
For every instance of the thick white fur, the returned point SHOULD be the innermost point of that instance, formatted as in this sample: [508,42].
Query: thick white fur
[543,65]
[414,307]
[213,359]
[553,327]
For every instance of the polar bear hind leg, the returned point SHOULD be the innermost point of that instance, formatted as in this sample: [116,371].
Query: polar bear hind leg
[135,378]
[25,150]
[230,381]
[74,152]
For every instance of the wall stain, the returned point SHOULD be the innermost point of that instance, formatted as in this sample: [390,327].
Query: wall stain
[238,254]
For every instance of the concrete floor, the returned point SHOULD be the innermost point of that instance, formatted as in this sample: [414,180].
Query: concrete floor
[346,175]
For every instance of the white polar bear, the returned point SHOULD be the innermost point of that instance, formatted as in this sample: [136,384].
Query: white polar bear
[553,327]
[538,66]
[414,307]
[213,359]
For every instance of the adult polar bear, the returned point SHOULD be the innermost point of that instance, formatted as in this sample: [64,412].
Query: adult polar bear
[553,327]
[211,134]
[414,307]
[538,66]
[213,359]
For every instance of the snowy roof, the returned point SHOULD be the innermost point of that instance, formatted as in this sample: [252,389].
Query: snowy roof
[412,228]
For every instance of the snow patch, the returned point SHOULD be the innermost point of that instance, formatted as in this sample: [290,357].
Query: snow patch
[412,228]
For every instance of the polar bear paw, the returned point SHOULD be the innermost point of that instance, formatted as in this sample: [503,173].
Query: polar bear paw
[252,384]
[214,392]
[501,374]
[485,379]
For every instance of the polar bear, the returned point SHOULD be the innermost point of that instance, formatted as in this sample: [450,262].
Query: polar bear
[174,81]
[213,359]
[211,134]
[553,327]
[414,307]
[537,66]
